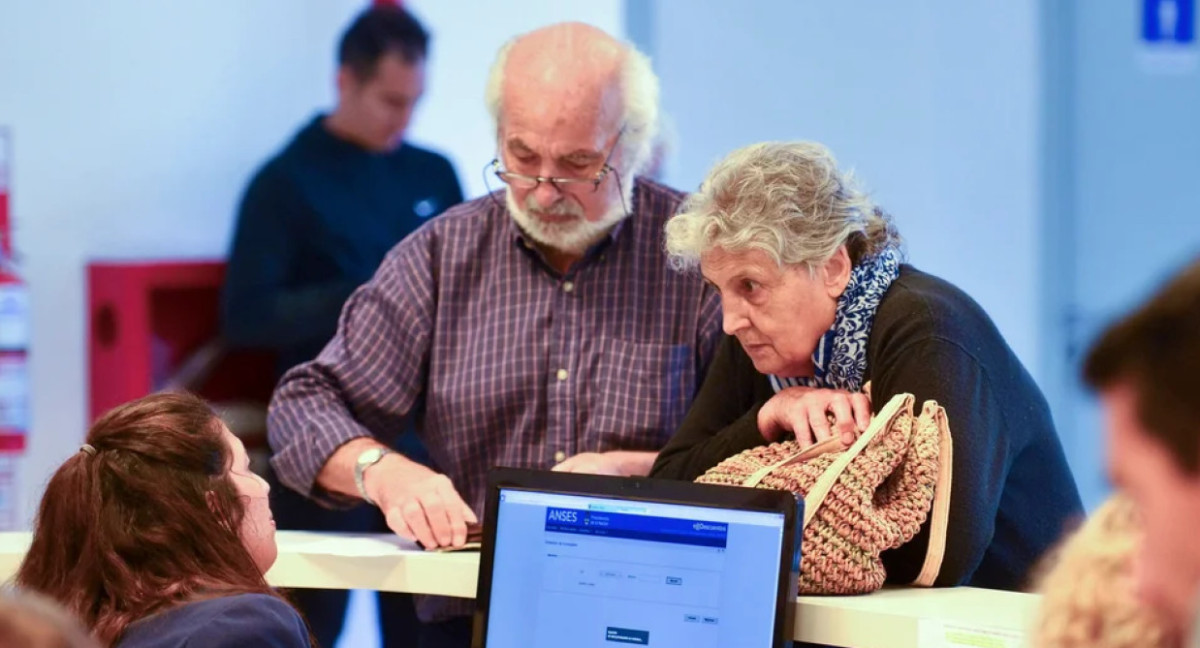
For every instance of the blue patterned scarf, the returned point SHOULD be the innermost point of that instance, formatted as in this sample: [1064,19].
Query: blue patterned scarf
[840,360]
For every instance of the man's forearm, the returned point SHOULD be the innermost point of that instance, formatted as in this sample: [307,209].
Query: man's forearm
[337,475]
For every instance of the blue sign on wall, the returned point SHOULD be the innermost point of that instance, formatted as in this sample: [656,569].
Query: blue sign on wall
[1169,22]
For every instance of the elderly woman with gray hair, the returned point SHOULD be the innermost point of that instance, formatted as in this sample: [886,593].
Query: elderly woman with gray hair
[817,303]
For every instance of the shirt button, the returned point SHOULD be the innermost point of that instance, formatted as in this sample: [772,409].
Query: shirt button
[562,374]
[568,286]
[560,456]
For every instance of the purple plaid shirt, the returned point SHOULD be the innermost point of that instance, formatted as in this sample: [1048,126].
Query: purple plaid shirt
[504,361]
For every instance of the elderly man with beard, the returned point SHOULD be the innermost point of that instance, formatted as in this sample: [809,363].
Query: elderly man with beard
[540,329]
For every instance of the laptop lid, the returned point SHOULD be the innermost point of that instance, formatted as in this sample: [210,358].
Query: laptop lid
[610,562]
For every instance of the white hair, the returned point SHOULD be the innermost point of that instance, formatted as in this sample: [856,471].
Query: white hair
[639,92]
[787,199]
[574,236]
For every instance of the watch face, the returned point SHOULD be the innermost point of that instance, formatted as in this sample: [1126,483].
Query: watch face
[370,456]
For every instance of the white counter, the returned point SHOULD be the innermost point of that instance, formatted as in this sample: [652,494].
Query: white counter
[894,618]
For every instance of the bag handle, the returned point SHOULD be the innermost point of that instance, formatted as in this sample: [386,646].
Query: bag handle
[940,513]
[825,482]
[816,495]
[826,446]
[939,525]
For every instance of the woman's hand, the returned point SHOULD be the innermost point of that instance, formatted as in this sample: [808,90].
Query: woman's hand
[814,415]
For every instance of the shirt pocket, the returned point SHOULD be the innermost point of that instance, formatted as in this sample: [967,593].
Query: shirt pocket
[644,391]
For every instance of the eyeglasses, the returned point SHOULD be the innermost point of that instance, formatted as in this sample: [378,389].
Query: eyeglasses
[528,182]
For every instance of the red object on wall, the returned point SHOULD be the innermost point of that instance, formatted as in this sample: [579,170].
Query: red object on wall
[6,249]
[14,361]
[147,319]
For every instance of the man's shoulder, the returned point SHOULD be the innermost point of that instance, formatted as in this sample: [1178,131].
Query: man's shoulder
[475,214]
[657,197]
[653,204]
[458,238]
[307,137]
[281,164]
[424,156]
[462,227]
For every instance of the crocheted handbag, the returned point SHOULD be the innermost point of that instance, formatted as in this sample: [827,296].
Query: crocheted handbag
[860,501]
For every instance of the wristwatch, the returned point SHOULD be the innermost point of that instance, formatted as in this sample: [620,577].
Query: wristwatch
[367,459]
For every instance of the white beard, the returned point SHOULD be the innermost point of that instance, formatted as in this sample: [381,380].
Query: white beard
[574,236]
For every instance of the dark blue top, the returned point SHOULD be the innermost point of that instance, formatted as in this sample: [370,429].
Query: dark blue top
[314,224]
[228,621]
[1012,495]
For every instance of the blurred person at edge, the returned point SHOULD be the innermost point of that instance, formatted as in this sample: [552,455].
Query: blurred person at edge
[1088,594]
[28,620]
[1146,369]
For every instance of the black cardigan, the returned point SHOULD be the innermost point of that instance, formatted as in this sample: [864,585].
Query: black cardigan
[1013,492]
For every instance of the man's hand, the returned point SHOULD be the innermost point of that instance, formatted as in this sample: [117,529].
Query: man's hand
[418,503]
[622,463]
[814,415]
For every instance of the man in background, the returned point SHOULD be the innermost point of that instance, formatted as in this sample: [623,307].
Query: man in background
[1147,370]
[314,224]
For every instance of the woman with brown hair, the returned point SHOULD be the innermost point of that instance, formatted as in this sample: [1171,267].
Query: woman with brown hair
[156,534]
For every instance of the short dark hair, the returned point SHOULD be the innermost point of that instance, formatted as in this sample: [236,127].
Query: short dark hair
[1156,351]
[381,30]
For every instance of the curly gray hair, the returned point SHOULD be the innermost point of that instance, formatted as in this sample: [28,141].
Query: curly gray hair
[787,199]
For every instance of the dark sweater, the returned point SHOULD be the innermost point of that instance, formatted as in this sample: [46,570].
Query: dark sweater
[225,622]
[314,224]
[1012,492]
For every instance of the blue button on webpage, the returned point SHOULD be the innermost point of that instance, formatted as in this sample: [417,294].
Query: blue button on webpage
[627,636]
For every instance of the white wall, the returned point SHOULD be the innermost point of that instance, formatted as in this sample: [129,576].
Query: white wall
[136,125]
[1130,217]
[933,103]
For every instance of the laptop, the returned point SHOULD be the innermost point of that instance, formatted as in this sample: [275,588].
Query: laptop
[591,561]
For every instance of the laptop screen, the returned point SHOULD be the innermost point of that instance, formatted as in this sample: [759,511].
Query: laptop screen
[594,571]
